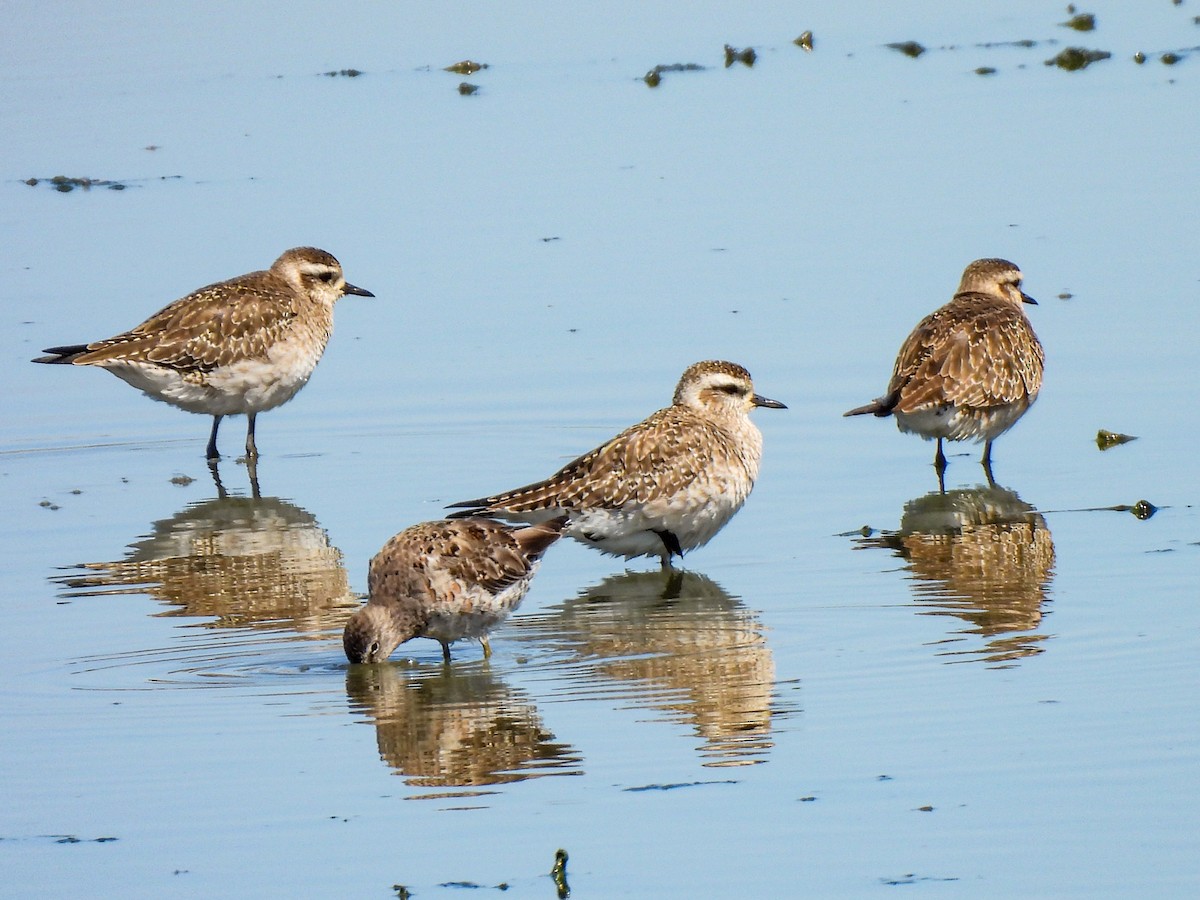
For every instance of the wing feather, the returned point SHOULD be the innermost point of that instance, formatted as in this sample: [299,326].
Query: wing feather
[206,329]
[971,353]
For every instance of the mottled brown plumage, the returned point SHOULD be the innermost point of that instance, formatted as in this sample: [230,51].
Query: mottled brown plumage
[970,369]
[662,486]
[240,346]
[446,580]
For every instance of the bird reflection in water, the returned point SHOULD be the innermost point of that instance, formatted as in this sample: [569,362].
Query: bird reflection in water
[984,556]
[456,728]
[246,562]
[676,643]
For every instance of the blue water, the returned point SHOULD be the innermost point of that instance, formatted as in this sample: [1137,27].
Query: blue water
[834,699]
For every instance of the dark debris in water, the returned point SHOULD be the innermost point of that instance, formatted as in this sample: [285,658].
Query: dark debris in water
[1106,440]
[805,41]
[1170,59]
[65,184]
[1024,42]
[466,67]
[908,48]
[467,89]
[343,73]
[654,76]
[985,70]
[1081,22]
[1072,59]
[746,56]
[912,878]
[559,873]
[1143,509]
[675,786]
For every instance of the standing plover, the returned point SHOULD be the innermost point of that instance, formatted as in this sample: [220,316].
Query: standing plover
[663,486]
[970,369]
[446,580]
[240,346]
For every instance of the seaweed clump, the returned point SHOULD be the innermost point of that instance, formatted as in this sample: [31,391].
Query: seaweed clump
[1075,58]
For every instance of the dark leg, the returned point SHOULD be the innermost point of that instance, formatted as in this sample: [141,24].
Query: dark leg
[251,450]
[986,462]
[211,452]
[445,652]
[487,648]
[939,459]
[671,545]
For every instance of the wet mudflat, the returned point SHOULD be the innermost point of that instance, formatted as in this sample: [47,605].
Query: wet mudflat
[861,685]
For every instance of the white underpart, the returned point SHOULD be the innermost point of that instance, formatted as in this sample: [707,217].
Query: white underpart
[693,514]
[951,423]
[251,385]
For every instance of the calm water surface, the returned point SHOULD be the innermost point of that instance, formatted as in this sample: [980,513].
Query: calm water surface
[862,685]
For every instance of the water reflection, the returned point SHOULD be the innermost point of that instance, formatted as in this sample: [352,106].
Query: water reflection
[982,555]
[246,562]
[676,643]
[456,727]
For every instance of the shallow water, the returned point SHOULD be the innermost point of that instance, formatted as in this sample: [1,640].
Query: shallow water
[858,684]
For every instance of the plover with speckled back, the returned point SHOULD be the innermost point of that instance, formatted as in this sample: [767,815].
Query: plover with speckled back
[446,580]
[240,346]
[662,487]
[970,369]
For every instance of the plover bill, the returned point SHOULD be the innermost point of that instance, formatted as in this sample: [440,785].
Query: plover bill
[970,369]
[663,486]
[446,580]
[240,346]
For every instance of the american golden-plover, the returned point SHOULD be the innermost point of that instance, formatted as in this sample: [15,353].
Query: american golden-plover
[240,346]
[663,486]
[446,580]
[970,369]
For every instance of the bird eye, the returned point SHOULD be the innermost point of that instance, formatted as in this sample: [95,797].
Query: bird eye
[730,389]
[326,276]
[373,649]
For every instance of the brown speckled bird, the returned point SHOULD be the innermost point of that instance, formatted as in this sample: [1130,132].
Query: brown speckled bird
[240,346]
[970,369]
[446,580]
[663,486]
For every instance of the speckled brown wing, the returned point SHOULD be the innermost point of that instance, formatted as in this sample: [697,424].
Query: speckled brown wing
[205,330]
[649,460]
[468,551]
[973,352]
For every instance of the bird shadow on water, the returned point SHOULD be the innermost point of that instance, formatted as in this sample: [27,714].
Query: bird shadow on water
[984,556]
[675,643]
[260,565]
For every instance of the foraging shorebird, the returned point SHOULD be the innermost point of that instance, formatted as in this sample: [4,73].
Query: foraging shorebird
[446,580]
[970,369]
[240,346]
[663,486]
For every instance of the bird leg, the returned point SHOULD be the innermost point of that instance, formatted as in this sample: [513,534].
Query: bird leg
[445,652]
[211,452]
[986,462]
[251,450]
[487,648]
[671,545]
[939,459]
